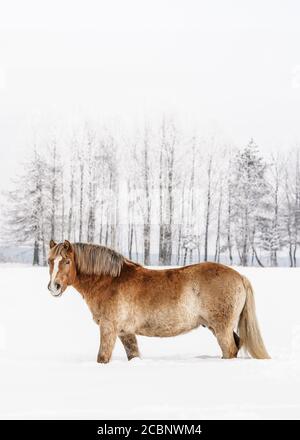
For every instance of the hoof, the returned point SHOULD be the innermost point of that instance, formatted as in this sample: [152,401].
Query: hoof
[102,360]
[232,356]
[133,356]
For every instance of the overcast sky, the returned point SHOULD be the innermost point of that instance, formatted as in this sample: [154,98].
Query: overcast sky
[229,64]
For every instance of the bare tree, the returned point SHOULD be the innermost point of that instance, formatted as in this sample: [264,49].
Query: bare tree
[218,234]
[291,213]
[81,161]
[72,189]
[53,183]
[161,254]
[229,214]
[91,160]
[296,208]
[147,214]
[166,190]
[276,174]
[208,205]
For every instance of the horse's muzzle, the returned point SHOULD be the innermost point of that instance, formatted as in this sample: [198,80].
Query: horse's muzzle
[54,292]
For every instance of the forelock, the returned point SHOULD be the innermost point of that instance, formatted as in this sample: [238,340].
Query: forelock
[58,251]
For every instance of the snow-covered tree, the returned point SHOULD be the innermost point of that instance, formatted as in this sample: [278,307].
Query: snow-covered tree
[29,213]
[291,211]
[168,143]
[271,237]
[92,185]
[249,192]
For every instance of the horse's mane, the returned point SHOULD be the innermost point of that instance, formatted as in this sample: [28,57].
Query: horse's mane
[92,259]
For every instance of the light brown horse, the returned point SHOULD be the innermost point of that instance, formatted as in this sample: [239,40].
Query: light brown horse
[127,299]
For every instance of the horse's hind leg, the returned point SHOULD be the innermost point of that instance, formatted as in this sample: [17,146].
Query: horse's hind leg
[130,344]
[228,343]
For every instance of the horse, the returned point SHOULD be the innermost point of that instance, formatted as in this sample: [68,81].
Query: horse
[127,299]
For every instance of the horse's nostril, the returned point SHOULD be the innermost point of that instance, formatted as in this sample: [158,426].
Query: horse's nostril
[57,286]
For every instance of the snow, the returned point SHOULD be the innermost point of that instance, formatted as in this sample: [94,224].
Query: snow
[48,350]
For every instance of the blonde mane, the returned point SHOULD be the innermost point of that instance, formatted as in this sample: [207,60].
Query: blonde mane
[92,259]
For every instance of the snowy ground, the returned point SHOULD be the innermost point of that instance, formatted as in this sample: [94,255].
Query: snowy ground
[48,349]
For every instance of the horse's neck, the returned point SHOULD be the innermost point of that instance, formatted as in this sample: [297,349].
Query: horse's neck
[89,285]
[92,285]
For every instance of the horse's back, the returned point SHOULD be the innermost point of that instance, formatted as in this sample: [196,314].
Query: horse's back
[205,273]
[174,282]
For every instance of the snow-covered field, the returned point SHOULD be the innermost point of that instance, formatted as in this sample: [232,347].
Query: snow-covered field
[48,366]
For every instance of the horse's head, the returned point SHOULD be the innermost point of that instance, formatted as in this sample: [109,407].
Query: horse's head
[61,267]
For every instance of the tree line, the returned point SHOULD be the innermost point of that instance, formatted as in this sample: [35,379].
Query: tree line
[160,196]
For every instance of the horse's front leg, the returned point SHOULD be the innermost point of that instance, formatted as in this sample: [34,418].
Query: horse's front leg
[108,336]
[131,347]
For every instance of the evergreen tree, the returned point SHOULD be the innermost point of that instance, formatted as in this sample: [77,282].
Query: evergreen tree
[250,189]
[28,217]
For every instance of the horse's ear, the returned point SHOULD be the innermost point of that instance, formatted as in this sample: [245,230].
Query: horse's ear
[67,245]
[52,244]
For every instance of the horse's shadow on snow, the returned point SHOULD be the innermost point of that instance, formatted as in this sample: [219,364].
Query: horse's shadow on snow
[206,357]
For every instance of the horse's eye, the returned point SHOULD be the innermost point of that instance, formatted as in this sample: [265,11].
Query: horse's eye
[67,261]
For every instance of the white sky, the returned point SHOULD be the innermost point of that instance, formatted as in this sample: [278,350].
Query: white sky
[230,64]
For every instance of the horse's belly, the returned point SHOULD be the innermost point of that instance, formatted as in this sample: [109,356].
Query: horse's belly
[172,319]
[162,332]
[175,326]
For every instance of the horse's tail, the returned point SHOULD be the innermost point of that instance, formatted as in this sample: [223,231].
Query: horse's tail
[249,332]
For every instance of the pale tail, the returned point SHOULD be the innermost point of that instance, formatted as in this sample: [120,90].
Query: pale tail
[249,332]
